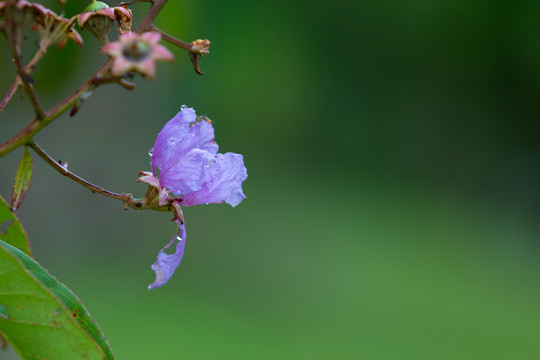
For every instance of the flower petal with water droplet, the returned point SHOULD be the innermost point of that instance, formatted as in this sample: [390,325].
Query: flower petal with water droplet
[165,264]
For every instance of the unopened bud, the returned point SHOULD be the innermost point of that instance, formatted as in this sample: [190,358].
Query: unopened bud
[98,19]
[96,6]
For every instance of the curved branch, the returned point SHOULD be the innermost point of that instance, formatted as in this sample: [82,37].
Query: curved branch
[62,168]
[171,39]
[23,76]
[28,68]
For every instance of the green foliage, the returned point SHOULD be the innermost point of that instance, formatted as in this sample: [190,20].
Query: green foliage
[14,233]
[22,180]
[40,317]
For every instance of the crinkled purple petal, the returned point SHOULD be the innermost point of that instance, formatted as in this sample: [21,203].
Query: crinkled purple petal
[168,138]
[165,264]
[200,135]
[178,138]
[223,182]
[186,174]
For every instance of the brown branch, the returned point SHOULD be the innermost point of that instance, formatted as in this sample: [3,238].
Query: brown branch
[196,48]
[26,134]
[171,39]
[28,68]
[155,8]
[38,55]
[12,90]
[11,34]
[62,168]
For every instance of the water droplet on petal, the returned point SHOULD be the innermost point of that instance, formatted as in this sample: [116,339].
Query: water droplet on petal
[151,151]
[3,312]
[183,107]
[178,238]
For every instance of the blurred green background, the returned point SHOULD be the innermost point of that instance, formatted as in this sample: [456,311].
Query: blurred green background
[393,200]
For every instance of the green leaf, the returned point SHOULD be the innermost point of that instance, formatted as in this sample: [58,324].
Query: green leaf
[11,230]
[40,317]
[22,180]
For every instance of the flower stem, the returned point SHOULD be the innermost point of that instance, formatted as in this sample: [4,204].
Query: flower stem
[171,39]
[62,168]
[155,8]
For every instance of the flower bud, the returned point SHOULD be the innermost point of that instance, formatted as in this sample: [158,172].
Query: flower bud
[96,6]
[97,18]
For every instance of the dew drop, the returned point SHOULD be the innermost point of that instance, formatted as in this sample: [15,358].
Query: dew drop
[151,151]
[3,312]
[178,238]
[183,107]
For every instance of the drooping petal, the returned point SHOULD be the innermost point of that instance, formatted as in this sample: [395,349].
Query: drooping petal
[165,264]
[185,174]
[223,182]
[76,37]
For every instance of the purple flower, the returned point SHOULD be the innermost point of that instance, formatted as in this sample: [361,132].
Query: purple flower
[187,170]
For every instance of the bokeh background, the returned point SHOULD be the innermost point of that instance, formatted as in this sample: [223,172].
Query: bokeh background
[393,197]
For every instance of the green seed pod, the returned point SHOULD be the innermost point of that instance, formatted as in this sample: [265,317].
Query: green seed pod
[96,6]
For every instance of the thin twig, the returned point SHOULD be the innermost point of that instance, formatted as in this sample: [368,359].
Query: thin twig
[28,88]
[62,168]
[37,56]
[28,68]
[12,90]
[171,39]
[155,8]
[26,134]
